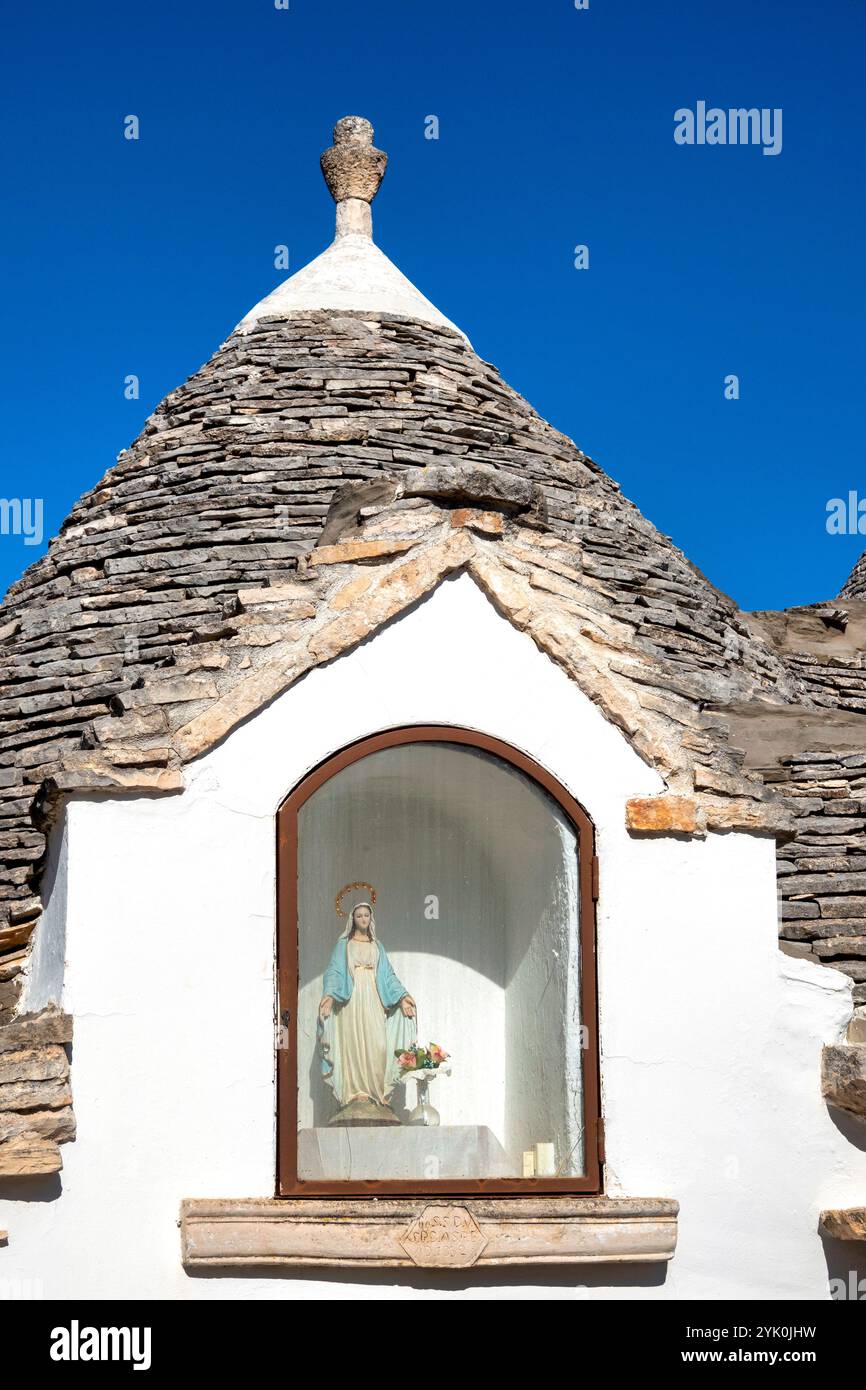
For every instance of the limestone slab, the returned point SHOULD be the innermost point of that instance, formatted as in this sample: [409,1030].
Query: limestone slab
[843,1223]
[488,523]
[843,1077]
[51,1094]
[15,936]
[28,1030]
[662,815]
[472,483]
[349,551]
[27,1158]
[38,1124]
[33,1064]
[408,1232]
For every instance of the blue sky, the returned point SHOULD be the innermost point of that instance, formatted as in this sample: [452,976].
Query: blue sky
[555,129]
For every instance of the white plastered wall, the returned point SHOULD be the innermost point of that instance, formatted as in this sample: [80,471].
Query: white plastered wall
[710,1038]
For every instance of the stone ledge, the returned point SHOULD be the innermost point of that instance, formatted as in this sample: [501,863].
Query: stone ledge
[424,1232]
[473,484]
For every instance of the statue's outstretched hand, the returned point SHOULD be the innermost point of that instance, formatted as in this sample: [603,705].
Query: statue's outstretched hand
[407,1004]
[326,1006]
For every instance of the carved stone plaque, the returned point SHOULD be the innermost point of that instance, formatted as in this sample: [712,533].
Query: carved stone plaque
[389,1232]
[443,1237]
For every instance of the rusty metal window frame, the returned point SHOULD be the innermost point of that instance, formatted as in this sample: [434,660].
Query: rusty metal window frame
[288,1184]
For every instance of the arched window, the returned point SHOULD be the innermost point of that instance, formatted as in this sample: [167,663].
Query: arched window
[436,888]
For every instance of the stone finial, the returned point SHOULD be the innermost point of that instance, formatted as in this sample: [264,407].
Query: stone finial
[353,170]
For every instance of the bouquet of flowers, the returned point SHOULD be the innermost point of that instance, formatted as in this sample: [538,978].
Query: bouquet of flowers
[415,1058]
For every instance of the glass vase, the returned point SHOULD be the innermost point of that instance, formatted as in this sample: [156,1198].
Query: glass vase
[424,1113]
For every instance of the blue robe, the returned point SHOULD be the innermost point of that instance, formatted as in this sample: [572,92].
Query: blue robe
[338,978]
[400,1031]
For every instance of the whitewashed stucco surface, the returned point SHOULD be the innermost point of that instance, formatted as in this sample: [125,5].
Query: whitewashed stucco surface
[710,1038]
[351,274]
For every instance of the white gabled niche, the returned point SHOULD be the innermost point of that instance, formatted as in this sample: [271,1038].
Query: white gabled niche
[476,874]
[710,1039]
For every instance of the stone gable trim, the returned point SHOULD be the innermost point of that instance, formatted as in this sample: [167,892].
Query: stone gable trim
[515,573]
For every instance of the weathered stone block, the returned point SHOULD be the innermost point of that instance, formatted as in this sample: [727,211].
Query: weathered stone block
[826,884]
[839,926]
[843,1078]
[830,825]
[843,1223]
[854,969]
[177,690]
[801,949]
[11,964]
[277,593]
[15,935]
[26,1158]
[830,946]
[35,1095]
[349,593]
[103,776]
[843,907]
[662,815]
[9,992]
[38,1124]
[710,779]
[28,1030]
[788,910]
[485,523]
[473,483]
[856,1034]
[33,1064]
[348,552]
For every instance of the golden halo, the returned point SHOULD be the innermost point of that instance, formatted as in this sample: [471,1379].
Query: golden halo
[338,901]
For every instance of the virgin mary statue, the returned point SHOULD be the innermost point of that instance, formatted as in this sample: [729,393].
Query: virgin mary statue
[366,1016]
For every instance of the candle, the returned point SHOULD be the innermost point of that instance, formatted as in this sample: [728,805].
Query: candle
[529,1163]
[545,1161]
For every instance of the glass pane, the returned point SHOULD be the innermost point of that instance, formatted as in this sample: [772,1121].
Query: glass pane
[472,945]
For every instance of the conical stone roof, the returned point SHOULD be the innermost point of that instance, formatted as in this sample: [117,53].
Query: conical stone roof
[855,584]
[328,465]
